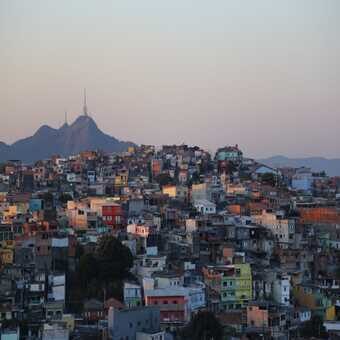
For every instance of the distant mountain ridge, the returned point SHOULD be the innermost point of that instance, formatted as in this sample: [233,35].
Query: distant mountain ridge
[83,134]
[317,164]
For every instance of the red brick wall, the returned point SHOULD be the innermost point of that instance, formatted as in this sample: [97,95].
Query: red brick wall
[113,215]
[319,215]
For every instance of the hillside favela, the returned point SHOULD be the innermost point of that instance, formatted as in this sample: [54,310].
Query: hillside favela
[164,243]
[169,170]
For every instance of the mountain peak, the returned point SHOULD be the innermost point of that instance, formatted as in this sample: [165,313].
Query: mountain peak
[83,134]
[44,130]
[317,164]
[84,122]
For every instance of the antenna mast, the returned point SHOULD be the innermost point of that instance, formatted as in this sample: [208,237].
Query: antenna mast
[85,106]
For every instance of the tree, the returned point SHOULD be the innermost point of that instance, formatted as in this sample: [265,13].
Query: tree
[204,326]
[114,259]
[314,327]
[268,178]
[195,178]
[64,198]
[2,168]
[102,273]
[164,179]
[232,167]
[88,268]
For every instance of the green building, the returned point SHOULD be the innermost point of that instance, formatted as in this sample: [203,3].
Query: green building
[236,286]
[233,283]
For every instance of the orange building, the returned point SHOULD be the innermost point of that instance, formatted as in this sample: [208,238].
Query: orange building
[234,209]
[257,316]
[319,215]
[156,167]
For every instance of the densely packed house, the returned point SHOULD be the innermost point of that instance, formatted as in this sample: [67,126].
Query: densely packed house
[258,247]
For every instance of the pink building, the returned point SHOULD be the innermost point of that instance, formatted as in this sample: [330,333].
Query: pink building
[257,316]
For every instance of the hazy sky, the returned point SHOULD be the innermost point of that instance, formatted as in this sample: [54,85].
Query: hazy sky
[264,74]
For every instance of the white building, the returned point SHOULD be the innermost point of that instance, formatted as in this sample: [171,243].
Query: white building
[146,265]
[57,287]
[196,297]
[205,207]
[132,295]
[150,336]
[304,314]
[282,228]
[55,332]
[167,280]
[281,289]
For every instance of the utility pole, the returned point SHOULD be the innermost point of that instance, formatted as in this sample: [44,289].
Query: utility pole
[104,295]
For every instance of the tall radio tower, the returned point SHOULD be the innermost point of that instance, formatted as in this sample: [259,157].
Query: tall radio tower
[85,106]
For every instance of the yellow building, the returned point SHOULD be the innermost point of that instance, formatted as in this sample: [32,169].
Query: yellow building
[121,178]
[10,212]
[170,190]
[69,320]
[233,282]
[236,289]
[330,314]
[131,149]
[6,256]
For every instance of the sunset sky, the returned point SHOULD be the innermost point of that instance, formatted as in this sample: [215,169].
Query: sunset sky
[263,74]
